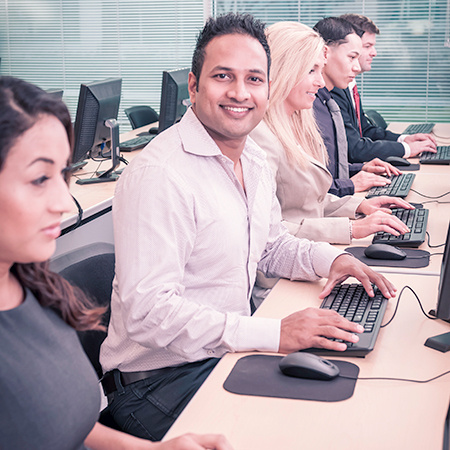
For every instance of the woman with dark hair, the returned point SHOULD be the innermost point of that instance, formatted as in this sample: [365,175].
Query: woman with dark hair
[49,393]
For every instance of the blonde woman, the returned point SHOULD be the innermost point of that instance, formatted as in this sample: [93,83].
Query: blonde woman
[297,155]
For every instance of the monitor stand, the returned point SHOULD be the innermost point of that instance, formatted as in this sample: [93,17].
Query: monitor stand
[110,174]
[441,342]
[77,166]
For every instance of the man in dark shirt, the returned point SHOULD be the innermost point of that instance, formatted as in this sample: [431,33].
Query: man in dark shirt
[341,67]
[366,141]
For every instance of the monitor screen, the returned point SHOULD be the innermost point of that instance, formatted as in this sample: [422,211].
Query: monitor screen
[96,124]
[56,93]
[443,303]
[174,97]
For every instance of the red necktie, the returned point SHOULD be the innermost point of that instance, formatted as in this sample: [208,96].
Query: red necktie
[357,107]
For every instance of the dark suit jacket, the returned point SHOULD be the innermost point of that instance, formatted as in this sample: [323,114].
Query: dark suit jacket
[375,143]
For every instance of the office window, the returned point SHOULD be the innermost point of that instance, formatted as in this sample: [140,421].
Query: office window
[60,44]
[410,78]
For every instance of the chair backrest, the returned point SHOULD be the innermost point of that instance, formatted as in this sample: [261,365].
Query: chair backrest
[141,115]
[91,268]
[375,118]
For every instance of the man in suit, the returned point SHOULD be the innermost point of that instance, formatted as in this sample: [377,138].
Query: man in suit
[366,141]
[342,66]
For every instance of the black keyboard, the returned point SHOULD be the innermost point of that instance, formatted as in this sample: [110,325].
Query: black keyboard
[399,187]
[419,128]
[442,156]
[135,143]
[415,219]
[352,302]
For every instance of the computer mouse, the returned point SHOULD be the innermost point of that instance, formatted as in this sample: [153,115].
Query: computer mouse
[397,161]
[308,365]
[384,251]
[153,130]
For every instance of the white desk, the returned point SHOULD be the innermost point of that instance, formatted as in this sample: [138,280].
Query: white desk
[387,415]
[438,221]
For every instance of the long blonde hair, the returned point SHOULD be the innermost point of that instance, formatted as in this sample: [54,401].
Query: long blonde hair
[295,49]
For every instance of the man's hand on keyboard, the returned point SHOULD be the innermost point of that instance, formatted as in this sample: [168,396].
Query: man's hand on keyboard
[365,180]
[380,167]
[346,265]
[419,143]
[311,328]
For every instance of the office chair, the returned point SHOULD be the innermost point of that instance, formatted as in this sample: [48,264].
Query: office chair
[375,118]
[141,115]
[91,268]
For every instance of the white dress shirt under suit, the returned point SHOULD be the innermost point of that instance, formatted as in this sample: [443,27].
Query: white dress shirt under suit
[188,243]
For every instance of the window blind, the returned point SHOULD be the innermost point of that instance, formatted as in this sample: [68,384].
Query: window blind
[410,77]
[63,43]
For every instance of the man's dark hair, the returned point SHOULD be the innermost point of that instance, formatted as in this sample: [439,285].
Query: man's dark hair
[334,30]
[231,23]
[362,22]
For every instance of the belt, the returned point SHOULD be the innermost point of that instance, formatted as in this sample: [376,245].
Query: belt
[126,378]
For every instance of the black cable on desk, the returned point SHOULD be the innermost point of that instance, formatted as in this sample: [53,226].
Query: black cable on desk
[398,303]
[397,379]
[433,246]
[428,196]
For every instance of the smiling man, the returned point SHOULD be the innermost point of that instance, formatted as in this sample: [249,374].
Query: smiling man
[366,141]
[195,215]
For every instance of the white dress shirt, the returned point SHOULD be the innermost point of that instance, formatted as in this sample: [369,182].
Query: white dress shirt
[188,243]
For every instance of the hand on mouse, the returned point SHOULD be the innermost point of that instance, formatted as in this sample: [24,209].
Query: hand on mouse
[346,265]
[380,167]
[311,327]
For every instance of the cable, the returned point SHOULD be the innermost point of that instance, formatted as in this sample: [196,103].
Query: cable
[79,216]
[440,137]
[435,201]
[397,379]
[433,246]
[428,196]
[424,256]
[398,303]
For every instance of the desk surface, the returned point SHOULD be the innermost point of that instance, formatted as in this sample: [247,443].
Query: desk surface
[385,414]
[438,220]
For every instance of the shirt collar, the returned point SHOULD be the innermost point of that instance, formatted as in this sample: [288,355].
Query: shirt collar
[197,141]
[323,95]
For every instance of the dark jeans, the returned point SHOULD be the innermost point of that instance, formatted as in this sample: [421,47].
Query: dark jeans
[149,407]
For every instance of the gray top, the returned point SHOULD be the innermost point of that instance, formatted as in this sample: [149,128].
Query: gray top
[49,394]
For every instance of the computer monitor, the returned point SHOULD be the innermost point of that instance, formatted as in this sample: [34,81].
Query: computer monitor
[443,303]
[56,93]
[96,127]
[446,444]
[174,97]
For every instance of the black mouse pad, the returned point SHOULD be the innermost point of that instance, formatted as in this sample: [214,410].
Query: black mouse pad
[410,168]
[414,258]
[260,375]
